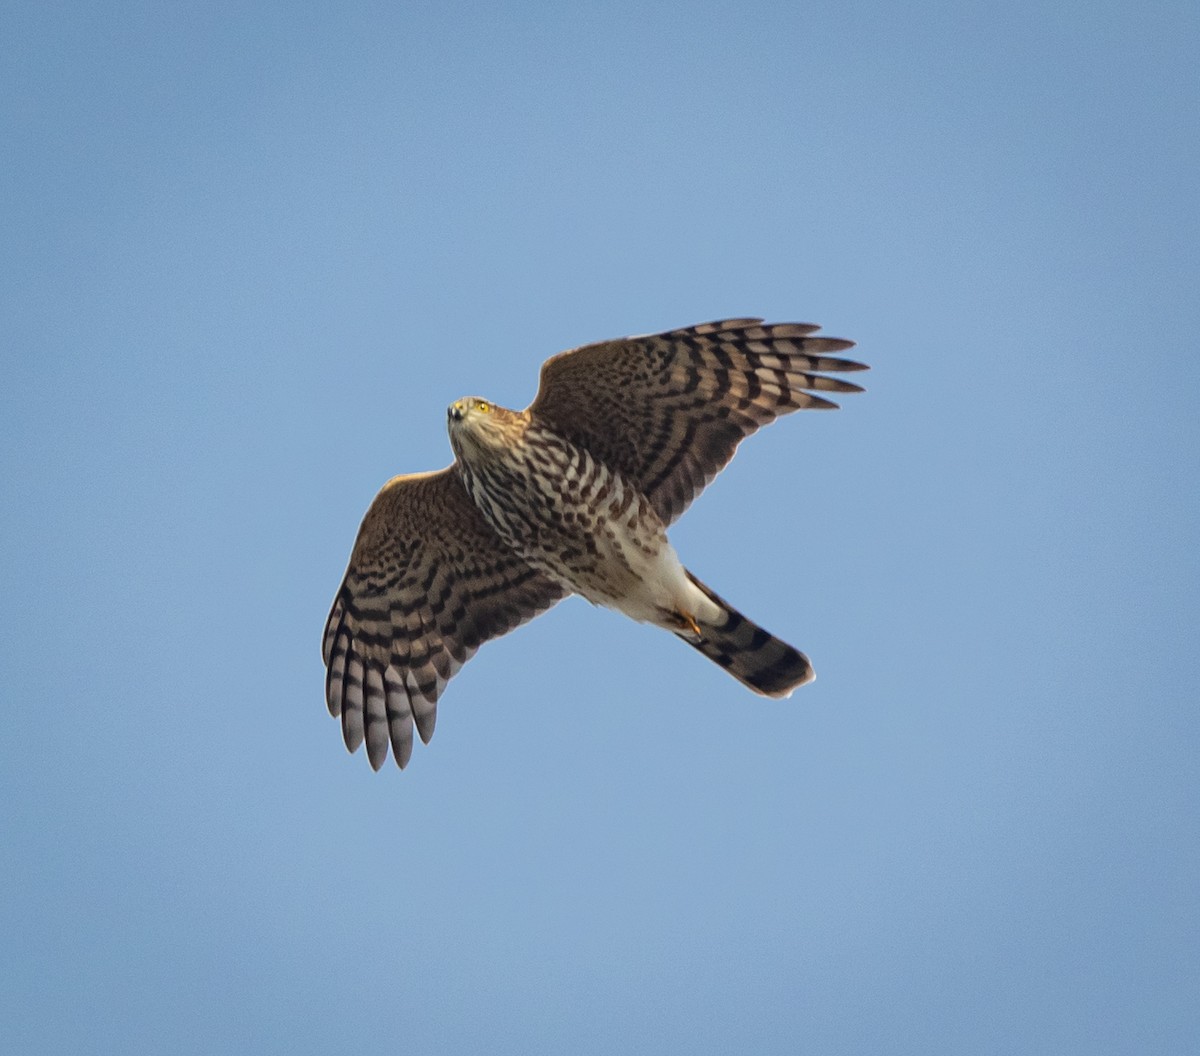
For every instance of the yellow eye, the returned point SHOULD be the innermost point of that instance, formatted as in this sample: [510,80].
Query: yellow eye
[483,406]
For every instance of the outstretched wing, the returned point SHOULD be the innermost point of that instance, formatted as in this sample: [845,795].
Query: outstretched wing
[668,410]
[428,583]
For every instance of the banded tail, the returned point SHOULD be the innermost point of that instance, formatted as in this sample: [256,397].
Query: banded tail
[755,657]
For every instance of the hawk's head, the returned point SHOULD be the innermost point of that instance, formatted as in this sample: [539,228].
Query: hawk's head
[483,427]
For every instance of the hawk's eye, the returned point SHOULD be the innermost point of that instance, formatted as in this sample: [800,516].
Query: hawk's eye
[483,406]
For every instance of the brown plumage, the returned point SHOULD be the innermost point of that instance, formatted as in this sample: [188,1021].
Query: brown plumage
[574,494]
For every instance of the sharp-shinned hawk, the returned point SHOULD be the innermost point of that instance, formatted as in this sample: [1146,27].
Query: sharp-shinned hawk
[572,495]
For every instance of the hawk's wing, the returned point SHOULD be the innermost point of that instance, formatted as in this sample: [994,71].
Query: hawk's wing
[668,410]
[428,583]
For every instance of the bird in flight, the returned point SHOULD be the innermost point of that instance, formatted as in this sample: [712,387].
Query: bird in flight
[574,494]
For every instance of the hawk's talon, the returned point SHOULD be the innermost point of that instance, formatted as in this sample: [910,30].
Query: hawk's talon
[686,619]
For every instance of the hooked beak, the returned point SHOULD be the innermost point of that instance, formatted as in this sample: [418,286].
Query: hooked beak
[455,411]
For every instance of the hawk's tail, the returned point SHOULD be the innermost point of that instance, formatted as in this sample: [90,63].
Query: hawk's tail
[753,656]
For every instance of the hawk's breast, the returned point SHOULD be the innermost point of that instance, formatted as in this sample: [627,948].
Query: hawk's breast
[579,521]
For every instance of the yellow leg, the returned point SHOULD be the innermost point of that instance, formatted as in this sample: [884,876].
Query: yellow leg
[689,621]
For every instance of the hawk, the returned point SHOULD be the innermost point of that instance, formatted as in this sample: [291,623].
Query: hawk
[574,494]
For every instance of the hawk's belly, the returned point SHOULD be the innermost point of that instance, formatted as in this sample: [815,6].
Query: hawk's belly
[589,529]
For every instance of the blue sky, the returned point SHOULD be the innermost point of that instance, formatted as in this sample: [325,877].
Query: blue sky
[251,252]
